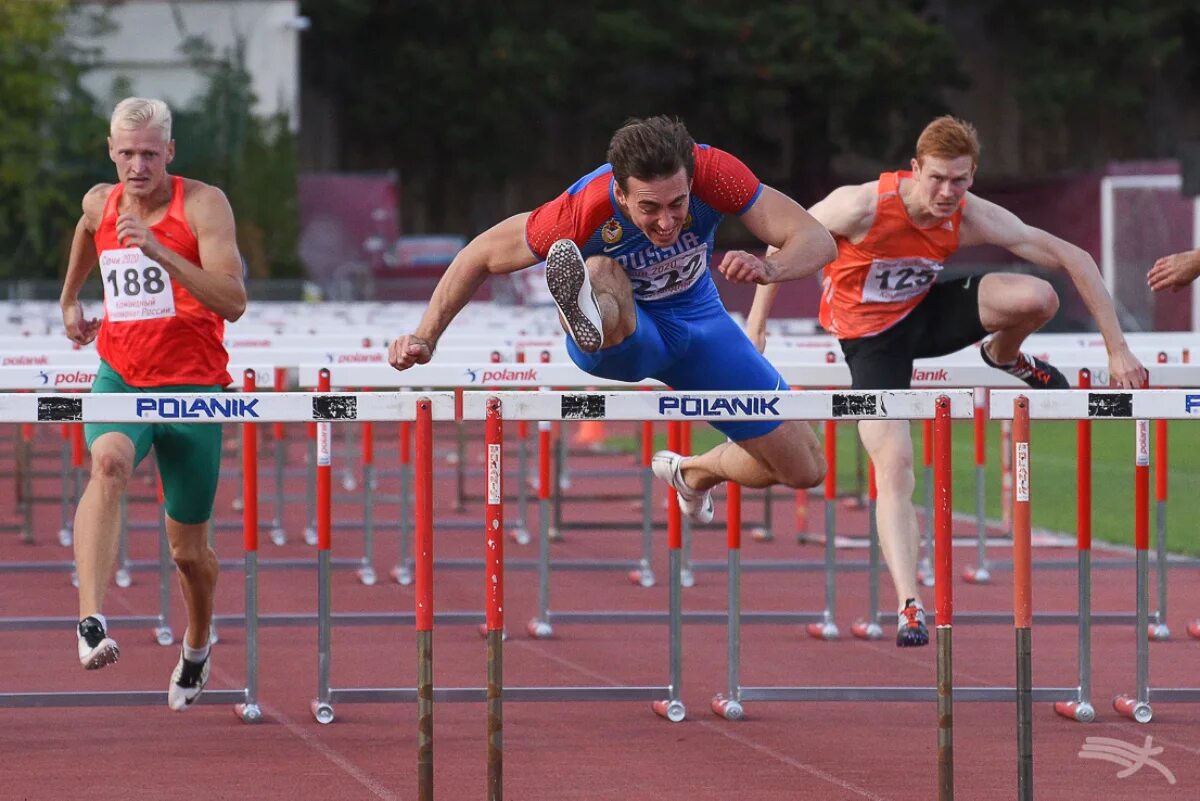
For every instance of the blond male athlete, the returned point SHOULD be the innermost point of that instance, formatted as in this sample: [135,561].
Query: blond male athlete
[172,276]
[880,298]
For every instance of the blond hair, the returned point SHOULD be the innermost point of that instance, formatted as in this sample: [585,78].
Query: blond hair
[135,113]
[948,138]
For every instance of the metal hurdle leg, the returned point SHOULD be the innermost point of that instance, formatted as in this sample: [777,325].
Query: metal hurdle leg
[162,632]
[65,509]
[278,534]
[123,577]
[402,573]
[366,572]
[729,705]
[1081,709]
[310,529]
[540,627]
[672,707]
[687,578]
[519,532]
[827,629]
[1137,706]
[1159,631]
[980,572]
[322,708]
[644,574]
[248,710]
[925,565]
[869,628]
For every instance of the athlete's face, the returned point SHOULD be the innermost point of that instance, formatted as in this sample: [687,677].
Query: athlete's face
[658,207]
[141,156]
[941,183]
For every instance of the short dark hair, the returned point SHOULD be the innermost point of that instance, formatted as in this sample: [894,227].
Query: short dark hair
[655,147]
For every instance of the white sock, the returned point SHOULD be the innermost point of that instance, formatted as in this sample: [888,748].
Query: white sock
[195,654]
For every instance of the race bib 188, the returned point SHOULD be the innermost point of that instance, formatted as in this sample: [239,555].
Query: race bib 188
[135,286]
[890,280]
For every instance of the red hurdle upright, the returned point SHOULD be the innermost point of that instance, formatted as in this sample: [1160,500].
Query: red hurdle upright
[423,569]
[1023,597]
[943,511]
[494,595]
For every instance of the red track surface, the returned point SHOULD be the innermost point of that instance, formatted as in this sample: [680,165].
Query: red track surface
[578,750]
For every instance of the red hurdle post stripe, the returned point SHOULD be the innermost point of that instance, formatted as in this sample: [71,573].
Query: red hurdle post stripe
[1022,597]
[944,594]
[423,581]
[1081,709]
[494,592]
[249,711]
[321,708]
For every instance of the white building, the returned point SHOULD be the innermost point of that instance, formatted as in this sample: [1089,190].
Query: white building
[144,47]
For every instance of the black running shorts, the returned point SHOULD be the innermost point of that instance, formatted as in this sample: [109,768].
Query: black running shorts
[946,320]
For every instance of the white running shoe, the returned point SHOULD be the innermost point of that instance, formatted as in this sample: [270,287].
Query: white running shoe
[187,682]
[96,648]
[696,504]
[567,279]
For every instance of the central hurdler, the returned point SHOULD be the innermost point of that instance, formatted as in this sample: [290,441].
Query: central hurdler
[627,250]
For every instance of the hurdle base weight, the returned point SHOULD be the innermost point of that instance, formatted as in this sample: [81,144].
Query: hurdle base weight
[866,630]
[1158,632]
[761,534]
[1194,629]
[540,629]
[1080,711]
[519,535]
[248,713]
[642,577]
[402,575]
[827,631]
[673,711]
[164,636]
[1133,709]
[483,632]
[322,712]
[977,575]
[366,576]
[727,708]
[65,537]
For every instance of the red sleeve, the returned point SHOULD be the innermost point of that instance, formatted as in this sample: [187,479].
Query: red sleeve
[574,215]
[724,182]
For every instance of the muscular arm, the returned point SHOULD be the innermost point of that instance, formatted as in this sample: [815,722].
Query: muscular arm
[218,285]
[801,244]
[500,249]
[987,223]
[80,262]
[847,211]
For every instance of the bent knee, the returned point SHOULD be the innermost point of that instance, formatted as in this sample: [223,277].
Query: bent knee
[191,559]
[805,473]
[1039,300]
[113,467]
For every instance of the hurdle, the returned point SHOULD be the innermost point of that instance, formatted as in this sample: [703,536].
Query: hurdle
[104,408]
[1140,406]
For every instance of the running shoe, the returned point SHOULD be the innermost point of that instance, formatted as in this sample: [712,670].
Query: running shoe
[911,631]
[96,648]
[567,279]
[187,682]
[1032,370]
[696,504]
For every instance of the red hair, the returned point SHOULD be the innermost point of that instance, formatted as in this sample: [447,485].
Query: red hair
[948,138]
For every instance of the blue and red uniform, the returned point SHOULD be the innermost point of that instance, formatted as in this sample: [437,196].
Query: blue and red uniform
[684,336]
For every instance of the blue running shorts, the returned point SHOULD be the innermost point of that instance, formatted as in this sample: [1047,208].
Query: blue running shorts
[691,347]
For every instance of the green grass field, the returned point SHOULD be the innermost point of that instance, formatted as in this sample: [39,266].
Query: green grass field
[1053,482]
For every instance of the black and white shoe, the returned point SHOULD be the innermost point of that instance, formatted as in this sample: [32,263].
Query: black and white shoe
[187,682]
[96,648]
[1030,369]
[569,285]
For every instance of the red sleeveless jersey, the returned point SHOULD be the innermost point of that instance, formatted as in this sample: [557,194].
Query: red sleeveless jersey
[873,284]
[186,348]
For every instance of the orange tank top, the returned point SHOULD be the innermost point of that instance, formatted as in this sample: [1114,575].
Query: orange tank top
[873,284]
[165,346]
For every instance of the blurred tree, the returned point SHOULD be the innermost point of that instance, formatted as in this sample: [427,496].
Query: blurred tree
[252,159]
[1100,81]
[51,139]
[466,96]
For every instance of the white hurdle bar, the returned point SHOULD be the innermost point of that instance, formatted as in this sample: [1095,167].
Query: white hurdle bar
[676,407]
[1139,406]
[248,409]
